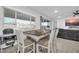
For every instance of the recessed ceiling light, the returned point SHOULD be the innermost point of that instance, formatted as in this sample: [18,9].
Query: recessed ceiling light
[56,11]
[59,16]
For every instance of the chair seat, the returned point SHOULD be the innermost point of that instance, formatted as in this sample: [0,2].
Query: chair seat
[43,42]
[27,41]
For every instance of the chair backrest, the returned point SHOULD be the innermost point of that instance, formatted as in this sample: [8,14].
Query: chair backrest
[20,36]
[55,40]
[51,41]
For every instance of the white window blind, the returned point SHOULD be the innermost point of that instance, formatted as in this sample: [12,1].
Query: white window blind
[9,13]
[9,17]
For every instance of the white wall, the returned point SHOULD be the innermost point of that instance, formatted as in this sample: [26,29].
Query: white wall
[61,24]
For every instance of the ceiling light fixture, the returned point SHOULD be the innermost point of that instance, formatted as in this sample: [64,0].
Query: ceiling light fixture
[59,16]
[56,11]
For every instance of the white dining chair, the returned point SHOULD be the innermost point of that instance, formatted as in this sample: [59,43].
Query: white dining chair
[46,44]
[25,44]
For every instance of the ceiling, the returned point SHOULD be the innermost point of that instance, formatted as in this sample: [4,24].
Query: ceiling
[55,12]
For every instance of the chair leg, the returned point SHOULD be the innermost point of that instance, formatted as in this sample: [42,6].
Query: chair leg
[43,47]
[33,47]
[37,46]
[23,49]
[48,50]
[18,49]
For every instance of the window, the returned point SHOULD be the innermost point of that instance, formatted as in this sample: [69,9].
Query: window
[9,16]
[23,21]
[33,25]
[45,23]
[22,16]
[32,18]
[8,20]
